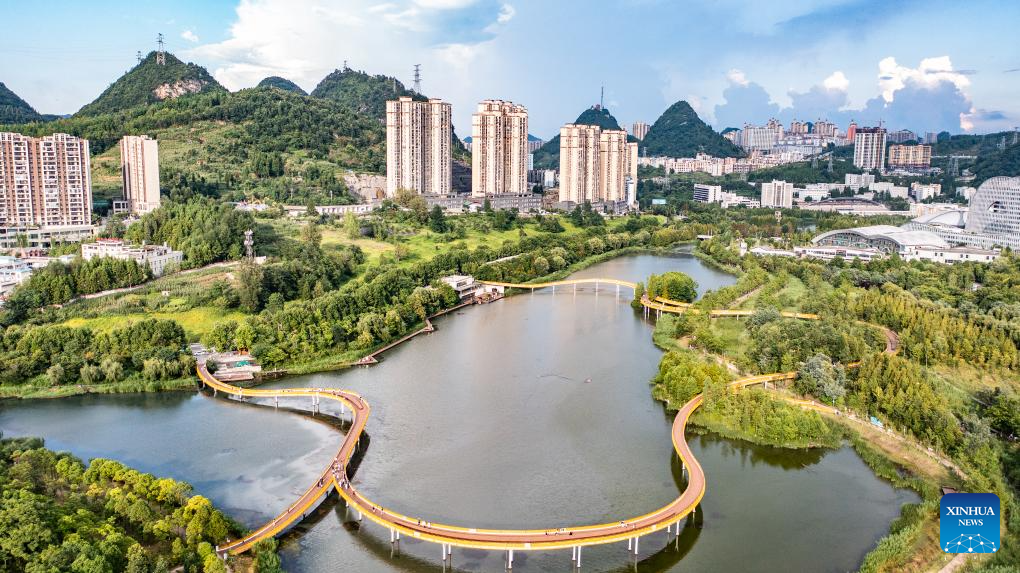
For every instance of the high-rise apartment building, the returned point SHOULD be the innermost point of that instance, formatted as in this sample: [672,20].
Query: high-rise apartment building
[824,128]
[914,156]
[851,130]
[595,165]
[139,168]
[754,137]
[902,136]
[639,130]
[499,149]
[44,181]
[869,148]
[418,139]
[777,194]
[798,127]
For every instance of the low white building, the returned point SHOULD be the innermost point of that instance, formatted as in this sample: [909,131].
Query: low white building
[921,192]
[13,272]
[858,180]
[157,257]
[468,288]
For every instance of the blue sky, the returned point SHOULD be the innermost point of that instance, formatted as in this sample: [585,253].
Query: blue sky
[927,65]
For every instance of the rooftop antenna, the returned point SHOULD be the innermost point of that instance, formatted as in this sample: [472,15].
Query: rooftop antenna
[417,79]
[139,56]
[345,66]
[161,54]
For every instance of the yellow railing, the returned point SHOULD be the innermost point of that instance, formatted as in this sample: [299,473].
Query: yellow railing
[502,539]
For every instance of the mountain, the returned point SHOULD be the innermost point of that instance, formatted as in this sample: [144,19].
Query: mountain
[149,83]
[13,109]
[361,92]
[679,132]
[548,156]
[281,83]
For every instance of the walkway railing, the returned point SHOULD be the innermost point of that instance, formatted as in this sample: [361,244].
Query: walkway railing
[666,519]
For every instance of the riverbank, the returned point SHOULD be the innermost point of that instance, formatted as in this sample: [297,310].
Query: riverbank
[33,392]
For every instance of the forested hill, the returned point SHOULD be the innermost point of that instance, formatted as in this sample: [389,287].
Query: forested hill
[282,83]
[548,156]
[362,92]
[13,109]
[679,132]
[1005,162]
[264,142]
[149,83]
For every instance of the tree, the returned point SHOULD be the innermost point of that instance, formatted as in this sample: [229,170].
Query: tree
[249,285]
[673,285]
[437,220]
[817,376]
[55,374]
[351,225]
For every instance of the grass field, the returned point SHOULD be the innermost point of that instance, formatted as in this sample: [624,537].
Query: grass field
[195,321]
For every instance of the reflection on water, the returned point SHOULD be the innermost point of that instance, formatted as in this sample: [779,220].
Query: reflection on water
[531,412]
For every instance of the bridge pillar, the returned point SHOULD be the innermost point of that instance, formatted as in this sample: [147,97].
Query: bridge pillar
[360,516]
[510,558]
[277,400]
[573,554]
[578,556]
[630,543]
[636,539]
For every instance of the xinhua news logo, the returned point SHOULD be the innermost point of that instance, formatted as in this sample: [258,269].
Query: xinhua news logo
[969,523]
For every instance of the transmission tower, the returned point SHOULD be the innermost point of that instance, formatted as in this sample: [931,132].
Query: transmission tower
[139,56]
[161,53]
[417,78]
[814,162]
[830,162]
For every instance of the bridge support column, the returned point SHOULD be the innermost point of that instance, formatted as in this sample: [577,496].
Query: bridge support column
[510,558]
[578,556]
[360,515]
[630,543]
[573,554]
[277,400]
[636,539]
[393,537]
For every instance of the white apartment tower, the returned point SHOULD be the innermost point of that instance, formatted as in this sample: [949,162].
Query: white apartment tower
[499,149]
[44,181]
[139,167]
[595,164]
[777,194]
[418,139]
[639,129]
[869,148]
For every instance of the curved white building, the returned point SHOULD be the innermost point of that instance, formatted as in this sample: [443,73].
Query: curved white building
[995,210]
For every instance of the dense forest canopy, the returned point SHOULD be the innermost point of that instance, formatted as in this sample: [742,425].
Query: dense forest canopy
[679,132]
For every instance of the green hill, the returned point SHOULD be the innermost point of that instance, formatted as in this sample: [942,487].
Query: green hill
[13,109]
[1005,162]
[261,142]
[281,83]
[548,156]
[679,132]
[149,83]
[361,92]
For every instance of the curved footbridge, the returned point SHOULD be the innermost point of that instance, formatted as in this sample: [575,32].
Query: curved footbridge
[665,520]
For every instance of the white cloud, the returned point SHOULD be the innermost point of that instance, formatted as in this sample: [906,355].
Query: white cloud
[737,77]
[837,81]
[929,74]
[190,36]
[506,13]
[444,4]
[304,40]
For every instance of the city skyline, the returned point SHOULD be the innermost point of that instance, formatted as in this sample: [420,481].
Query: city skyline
[475,50]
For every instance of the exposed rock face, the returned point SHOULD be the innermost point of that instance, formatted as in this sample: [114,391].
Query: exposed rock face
[366,185]
[178,88]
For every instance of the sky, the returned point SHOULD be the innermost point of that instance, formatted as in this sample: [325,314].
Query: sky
[922,65]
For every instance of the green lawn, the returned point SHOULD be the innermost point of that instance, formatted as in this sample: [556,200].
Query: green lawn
[195,321]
